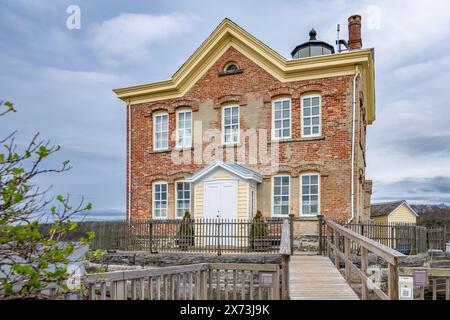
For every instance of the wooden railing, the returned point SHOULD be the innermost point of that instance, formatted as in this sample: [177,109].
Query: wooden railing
[336,242]
[407,238]
[216,281]
[220,281]
[439,282]
[167,283]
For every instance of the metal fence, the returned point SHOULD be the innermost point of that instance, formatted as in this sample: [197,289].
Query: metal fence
[406,238]
[190,235]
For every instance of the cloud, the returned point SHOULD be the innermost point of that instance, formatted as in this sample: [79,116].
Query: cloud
[61,80]
[131,36]
[77,110]
[407,30]
[422,146]
[415,190]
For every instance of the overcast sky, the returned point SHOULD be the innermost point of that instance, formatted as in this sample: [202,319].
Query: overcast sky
[61,79]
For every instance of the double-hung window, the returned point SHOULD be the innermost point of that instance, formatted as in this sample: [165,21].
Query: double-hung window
[311,116]
[310,194]
[161,131]
[281,115]
[184,129]
[280,195]
[160,200]
[183,192]
[230,126]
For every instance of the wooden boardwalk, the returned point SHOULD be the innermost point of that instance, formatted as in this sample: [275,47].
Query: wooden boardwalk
[313,277]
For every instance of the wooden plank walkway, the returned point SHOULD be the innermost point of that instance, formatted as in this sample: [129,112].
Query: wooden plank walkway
[313,277]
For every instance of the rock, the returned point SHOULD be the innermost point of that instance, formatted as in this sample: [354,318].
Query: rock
[436,253]
[413,261]
[440,264]
[306,243]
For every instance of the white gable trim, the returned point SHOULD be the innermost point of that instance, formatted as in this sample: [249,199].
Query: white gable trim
[220,164]
[409,207]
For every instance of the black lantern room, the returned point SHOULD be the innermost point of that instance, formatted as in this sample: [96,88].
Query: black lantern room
[312,48]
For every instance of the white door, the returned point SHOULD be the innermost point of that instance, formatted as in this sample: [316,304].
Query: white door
[220,199]
[221,202]
[212,200]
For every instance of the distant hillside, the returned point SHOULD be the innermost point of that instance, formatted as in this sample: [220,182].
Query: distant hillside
[422,209]
[433,214]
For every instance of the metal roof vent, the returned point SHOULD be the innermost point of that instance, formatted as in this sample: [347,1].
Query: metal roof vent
[312,48]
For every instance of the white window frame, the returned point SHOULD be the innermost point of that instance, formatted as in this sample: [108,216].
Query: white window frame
[189,144]
[301,194]
[223,124]
[154,200]
[272,201]
[282,118]
[310,96]
[176,199]
[157,115]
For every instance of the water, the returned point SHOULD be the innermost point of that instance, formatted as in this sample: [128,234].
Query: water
[91,216]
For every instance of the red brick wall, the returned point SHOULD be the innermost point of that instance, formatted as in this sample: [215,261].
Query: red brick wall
[330,156]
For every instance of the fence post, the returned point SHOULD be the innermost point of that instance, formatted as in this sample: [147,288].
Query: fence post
[321,242]
[291,231]
[285,251]
[393,281]
[202,285]
[347,255]
[150,235]
[218,237]
[276,288]
[444,237]
[364,265]
[337,245]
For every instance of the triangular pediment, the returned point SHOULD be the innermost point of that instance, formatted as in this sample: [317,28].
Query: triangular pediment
[233,168]
[228,34]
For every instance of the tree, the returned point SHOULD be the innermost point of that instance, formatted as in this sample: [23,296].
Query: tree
[33,258]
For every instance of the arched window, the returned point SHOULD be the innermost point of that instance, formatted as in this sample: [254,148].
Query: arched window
[161,131]
[183,198]
[280,195]
[232,67]
[281,118]
[310,194]
[160,200]
[311,116]
[230,124]
[184,128]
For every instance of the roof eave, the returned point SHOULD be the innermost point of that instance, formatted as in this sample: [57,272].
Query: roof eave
[218,163]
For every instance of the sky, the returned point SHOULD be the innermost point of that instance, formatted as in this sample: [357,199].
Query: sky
[61,80]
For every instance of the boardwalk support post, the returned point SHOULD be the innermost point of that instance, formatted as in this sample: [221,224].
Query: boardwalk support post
[393,281]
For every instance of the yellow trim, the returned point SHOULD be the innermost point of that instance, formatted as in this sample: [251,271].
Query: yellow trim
[242,200]
[228,34]
[199,198]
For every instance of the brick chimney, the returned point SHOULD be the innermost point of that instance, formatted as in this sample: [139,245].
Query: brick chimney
[354,32]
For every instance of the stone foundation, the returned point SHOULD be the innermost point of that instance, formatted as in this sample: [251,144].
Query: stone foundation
[172,259]
[306,243]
